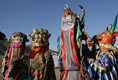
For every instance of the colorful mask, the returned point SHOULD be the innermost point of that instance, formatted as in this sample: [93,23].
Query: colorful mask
[108,36]
[40,38]
[17,39]
[68,19]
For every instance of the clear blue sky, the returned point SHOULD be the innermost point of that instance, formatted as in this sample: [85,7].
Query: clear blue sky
[24,15]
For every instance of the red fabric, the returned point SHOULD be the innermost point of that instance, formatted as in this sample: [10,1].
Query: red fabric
[10,54]
[62,74]
[19,54]
[63,50]
[8,63]
[31,54]
[74,54]
[16,77]
[81,76]
[39,50]
[66,77]
[115,34]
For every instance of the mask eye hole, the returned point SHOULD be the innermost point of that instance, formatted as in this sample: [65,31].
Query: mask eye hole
[104,38]
[102,34]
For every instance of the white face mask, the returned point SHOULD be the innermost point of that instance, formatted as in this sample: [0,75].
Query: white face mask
[68,22]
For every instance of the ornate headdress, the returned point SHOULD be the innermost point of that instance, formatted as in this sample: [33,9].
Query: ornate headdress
[21,34]
[67,11]
[40,37]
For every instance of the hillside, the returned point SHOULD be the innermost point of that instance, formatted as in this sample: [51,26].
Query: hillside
[3,46]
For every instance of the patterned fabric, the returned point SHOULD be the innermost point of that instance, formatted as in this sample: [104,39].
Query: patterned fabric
[13,60]
[38,65]
[42,68]
[104,67]
[14,67]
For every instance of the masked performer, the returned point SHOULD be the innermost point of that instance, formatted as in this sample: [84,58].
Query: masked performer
[42,65]
[104,66]
[13,66]
[70,45]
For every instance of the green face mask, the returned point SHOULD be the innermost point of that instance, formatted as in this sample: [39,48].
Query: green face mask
[17,39]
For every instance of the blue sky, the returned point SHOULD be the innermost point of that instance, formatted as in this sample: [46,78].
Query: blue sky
[24,15]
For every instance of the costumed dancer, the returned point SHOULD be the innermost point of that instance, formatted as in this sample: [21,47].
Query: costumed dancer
[70,45]
[41,61]
[104,66]
[14,66]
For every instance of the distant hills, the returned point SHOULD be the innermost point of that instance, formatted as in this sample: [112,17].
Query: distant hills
[3,46]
